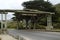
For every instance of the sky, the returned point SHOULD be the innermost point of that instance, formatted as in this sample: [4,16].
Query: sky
[16,4]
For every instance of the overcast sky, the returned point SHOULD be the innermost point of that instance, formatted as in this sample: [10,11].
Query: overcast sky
[16,4]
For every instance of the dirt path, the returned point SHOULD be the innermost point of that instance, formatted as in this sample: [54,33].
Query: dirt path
[7,37]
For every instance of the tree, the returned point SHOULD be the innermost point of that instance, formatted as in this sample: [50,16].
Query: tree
[27,18]
[56,17]
[18,18]
[39,5]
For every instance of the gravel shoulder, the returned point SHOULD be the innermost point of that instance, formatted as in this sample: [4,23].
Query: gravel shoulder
[6,37]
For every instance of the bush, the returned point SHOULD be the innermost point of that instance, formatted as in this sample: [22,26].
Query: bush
[40,26]
[56,25]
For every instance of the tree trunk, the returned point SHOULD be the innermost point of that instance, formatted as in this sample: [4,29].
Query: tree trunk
[26,24]
[18,25]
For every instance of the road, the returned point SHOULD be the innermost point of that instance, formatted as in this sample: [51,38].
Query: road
[36,35]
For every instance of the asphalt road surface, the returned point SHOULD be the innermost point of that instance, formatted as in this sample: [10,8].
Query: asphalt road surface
[36,35]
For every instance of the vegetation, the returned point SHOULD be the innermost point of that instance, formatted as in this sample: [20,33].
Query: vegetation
[42,6]
[39,5]
[56,22]
[12,25]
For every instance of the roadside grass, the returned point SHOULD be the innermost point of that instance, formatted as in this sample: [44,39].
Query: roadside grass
[56,30]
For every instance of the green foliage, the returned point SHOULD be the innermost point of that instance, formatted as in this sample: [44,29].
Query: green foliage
[56,17]
[57,8]
[56,25]
[42,6]
[17,17]
[38,26]
[12,25]
[39,5]
[21,25]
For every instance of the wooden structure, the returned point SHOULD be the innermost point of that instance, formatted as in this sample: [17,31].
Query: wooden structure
[27,12]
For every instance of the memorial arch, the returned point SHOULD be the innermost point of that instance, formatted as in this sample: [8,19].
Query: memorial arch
[25,12]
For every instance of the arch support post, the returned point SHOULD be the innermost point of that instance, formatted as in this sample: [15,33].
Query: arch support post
[5,20]
[1,20]
[49,22]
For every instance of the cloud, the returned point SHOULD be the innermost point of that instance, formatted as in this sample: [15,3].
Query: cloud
[11,4]
[54,1]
